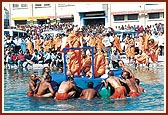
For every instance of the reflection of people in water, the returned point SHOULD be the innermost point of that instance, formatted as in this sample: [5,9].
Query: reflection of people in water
[18,73]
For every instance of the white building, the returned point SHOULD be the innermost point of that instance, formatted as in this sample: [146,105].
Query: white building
[110,14]
[139,13]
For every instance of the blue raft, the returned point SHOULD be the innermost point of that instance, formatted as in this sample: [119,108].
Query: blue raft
[82,82]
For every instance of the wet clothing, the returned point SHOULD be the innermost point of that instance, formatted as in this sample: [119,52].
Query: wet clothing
[133,94]
[142,59]
[37,95]
[29,94]
[120,92]
[62,96]
[116,43]
[30,47]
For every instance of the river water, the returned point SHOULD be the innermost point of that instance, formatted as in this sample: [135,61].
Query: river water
[15,86]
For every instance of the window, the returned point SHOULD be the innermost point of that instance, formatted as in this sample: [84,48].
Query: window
[38,5]
[118,17]
[162,15]
[47,5]
[154,15]
[65,5]
[15,5]
[20,6]
[24,5]
[132,16]
[42,5]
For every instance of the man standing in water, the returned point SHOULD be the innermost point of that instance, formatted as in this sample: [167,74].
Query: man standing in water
[67,89]
[89,93]
[120,91]
[131,84]
[125,68]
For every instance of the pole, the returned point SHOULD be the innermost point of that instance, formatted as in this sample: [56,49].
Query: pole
[144,17]
[9,15]
[92,62]
[55,11]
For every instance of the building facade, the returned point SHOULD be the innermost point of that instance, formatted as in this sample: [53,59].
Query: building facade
[141,14]
[108,14]
[6,18]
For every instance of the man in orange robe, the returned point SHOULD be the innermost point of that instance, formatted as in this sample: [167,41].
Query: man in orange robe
[74,40]
[142,58]
[99,64]
[47,44]
[92,41]
[30,46]
[116,43]
[146,38]
[58,43]
[52,44]
[130,49]
[38,43]
[153,50]
[86,62]
[141,42]
[99,44]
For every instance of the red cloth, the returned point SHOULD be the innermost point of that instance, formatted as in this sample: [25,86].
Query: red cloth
[133,79]
[120,92]
[133,94]
[29,94]
[21,57]
[14,57]
[36,95]
[62,96]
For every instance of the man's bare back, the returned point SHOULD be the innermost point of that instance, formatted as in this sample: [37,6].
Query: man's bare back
[65,87]
[43,87]
[89,93]
[114,82]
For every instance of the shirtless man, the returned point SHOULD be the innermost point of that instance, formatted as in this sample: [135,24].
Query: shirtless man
[44,86]
[140,89]
[46,71]
[33,85]
[66,90]
[131,84]
[120,91]
[125,68]
[89,93]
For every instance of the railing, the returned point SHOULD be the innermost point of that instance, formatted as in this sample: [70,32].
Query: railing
[88,47]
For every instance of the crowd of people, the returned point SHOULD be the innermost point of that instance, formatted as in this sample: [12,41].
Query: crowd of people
[126,86]
[106,48]
[38,49]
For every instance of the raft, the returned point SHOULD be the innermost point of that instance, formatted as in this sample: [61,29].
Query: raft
[81,82]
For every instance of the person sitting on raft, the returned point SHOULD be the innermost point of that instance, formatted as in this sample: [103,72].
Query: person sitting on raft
[99,64]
